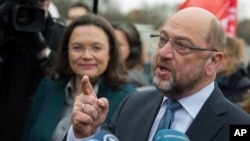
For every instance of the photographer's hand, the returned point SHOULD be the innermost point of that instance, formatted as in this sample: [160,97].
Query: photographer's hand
[34,42]
[43,51]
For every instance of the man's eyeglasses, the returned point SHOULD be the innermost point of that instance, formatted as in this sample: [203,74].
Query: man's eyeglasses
[181,47]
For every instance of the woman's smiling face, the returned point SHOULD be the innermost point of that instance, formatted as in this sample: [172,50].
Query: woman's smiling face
[88,51]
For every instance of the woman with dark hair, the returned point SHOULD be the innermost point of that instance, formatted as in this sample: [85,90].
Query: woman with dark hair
[131,52]
[88,48]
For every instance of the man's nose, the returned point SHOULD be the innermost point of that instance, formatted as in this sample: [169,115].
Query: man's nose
[166,51]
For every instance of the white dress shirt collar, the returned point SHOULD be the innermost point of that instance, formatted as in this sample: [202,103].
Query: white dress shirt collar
[193,103]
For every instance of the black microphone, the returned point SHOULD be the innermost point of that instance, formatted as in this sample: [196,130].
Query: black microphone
[103,135]
[170,135]
[95,7]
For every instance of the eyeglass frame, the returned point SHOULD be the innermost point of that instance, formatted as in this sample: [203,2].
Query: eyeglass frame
[186,46]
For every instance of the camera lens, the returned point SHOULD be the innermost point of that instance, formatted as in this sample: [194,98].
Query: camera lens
[25,17]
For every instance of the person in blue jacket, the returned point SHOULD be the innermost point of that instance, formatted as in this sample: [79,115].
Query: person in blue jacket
[88,48]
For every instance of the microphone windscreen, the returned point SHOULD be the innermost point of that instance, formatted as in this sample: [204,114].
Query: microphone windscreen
[103,135]
[170,135]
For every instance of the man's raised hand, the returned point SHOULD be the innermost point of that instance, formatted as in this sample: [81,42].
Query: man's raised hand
[89,112]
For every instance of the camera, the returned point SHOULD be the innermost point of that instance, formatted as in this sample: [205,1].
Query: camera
[19,16]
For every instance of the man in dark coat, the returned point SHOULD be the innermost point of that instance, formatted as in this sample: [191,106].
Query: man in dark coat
[189,50]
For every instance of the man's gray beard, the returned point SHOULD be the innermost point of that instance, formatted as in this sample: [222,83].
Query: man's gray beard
[170,90]
[178,88]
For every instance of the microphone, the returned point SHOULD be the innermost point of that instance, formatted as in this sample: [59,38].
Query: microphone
[170,135]
[95,7]
[103,135]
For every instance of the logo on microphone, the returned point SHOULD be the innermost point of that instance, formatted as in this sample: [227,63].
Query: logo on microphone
[109,137]
[103,135]
[170,135]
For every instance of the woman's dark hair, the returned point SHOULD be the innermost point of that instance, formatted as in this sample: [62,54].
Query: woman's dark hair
[135,58]
[115,74]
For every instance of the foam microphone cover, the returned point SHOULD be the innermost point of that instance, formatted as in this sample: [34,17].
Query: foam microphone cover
[103,135]
[170,135]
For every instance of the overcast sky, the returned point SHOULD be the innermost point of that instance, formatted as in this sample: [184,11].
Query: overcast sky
[127,5]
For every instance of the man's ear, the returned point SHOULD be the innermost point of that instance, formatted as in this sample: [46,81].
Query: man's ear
[214,62]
